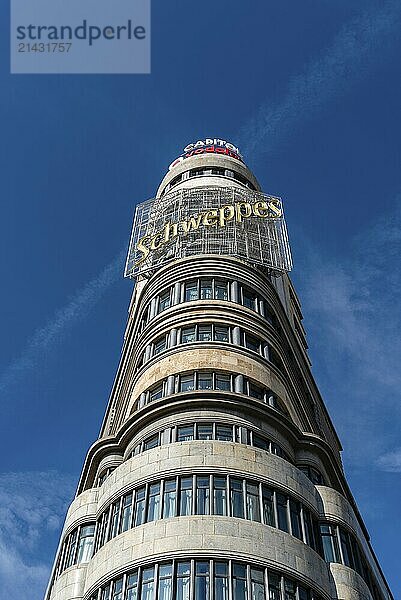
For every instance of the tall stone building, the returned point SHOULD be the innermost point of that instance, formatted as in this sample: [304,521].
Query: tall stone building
[217,473]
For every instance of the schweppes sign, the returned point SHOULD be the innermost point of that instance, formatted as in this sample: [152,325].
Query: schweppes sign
[269,208]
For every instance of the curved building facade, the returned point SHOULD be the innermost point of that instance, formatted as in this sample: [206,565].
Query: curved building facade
[217,473]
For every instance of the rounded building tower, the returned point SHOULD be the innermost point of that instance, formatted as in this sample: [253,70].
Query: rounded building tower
[217,473]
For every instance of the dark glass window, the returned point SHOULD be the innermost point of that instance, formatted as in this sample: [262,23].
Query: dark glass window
[224,433]
[205,432]
[126,512]
[170,498]
[220,581]
[252,343]
[219,495]
[282,512]
[221,290]
[330,543]
[205,333]
[237,498]
[274,587]
[106,592]
[255,391]
[268,506]
[118,589]
[295,515]
[132,586]
[186,496]
[185,433]
[114,523]
[346,549]
[202,495]
[257,585]
[206,291]
[151,442]
[188,335]
[205,381]
[165,587]
[191,291]
[164,301]
[154,502]
[252,502]
[202,583]
[221,333]
[160,345]
[187,383]
[239,582]
[260,442]
[140,506]
[303,593]
[183,580]
[85,545]
[248,299]
[148,581]
[290,590]
[71,548]
[156,393]
[223,382]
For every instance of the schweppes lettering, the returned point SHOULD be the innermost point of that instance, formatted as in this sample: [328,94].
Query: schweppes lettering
[270,208]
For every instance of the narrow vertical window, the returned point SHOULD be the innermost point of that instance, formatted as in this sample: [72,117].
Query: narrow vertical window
[223,382]
[206,292]
[85,545]
[160,345]
[205,432]
[132,586]
[148,583]
[274,587]
[239,582]
[191,291]
[106,592]
[220,581]
[188,335]
[185,433]
[115,514]
[303,593]
[140,506]
[252,502]
[164,300]
[202,495]
[268,506]
[257,585]
[183,580]
[346,549]
[221,333]
[187,383]
[282,512]
[224,433]
[290,590]
[186,496]
[221,290]
[202,580]
[154,502]
[204,333]
[170,498]
[295,514]
[118,589]
[219,495]
[71,548]
[165,582]
[205,381]
[330,543]
[126,512]
[236,498]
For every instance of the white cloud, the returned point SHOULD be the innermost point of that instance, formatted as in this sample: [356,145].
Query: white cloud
[391,461]
[32,508]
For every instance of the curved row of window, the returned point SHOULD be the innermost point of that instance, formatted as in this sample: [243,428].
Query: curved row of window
[209,332]
[191,579]
[204,430]
[207,288]
[202,380]
[208,172]
[206,495]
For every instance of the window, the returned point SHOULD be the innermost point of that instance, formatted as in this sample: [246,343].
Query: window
[187,383]
[219,495]
[164,300]
[205,381]
[202,583]
[282,512]
[221,290]
[252,343]
[205,432]
[346,549]
[289,590]
[221,333]
[330,543]
[185,433]
[160,345]
[188,335]
[252,502]
[202,495]
[126,512]
[255,391]
[85,545]
[151,442]
[186,496]
[183,580]
[170,498]
[220,581]
[312,473]
[148,591]
[191,291]
[140,506]
[154,502]
[268,506]
[132,586]
[115,513]
[118,589]
[223,382]
[224,433]
[257,584]
[274,587]
[237,498]
[248,299]
[71,548]
[206,289]
[295,515]
[156,393]
[239,582]
[165,582]
[106,592]
[204,333]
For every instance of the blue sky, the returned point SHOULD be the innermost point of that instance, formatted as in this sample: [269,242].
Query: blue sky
[310,91]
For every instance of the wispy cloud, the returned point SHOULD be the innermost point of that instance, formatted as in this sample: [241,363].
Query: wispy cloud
[350,304]
[45,338]
[356,49]
[32,506]
[390,461]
